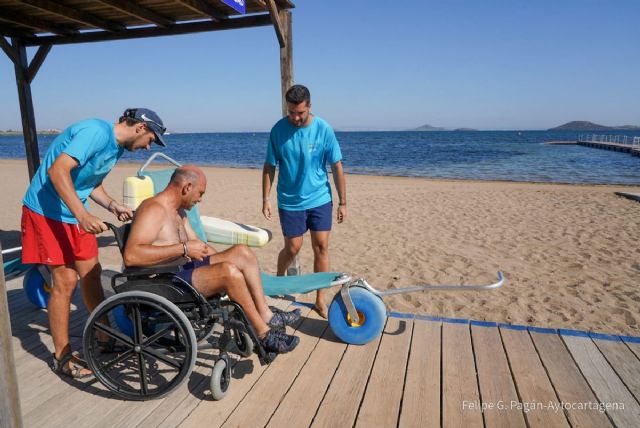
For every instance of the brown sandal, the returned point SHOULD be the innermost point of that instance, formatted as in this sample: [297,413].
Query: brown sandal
[74,370]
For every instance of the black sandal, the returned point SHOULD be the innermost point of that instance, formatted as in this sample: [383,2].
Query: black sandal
[74,371]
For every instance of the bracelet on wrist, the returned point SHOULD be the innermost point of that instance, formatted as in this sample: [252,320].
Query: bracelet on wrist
[184,249]
[110,203]
[342,204]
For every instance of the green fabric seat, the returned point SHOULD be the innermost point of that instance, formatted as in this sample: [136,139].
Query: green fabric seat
[280,285]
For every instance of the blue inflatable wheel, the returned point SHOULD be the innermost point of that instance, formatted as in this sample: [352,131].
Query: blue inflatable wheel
[371,313]
[37,289]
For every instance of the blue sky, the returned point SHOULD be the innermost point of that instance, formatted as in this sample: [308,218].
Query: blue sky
[511,64]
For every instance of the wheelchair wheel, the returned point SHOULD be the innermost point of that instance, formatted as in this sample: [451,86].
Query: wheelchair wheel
[151,357]
[220,379]
[36,288]
[371,313]
[244,344]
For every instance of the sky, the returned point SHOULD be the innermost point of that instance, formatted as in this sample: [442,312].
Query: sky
[489,65]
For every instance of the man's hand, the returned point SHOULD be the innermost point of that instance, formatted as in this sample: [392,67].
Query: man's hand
[197,250]
[266,210]
[92,224]
[121,211]
[342,213]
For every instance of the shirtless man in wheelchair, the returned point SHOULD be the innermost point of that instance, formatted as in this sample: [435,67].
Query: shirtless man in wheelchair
[161,235]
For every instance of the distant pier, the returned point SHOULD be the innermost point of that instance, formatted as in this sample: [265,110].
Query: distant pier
[619,143]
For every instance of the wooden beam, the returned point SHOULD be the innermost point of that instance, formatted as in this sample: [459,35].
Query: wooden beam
[75,14]
[135,33]
[10,413]
[286,57]
[134,9]
[273,11]
[6,31]
[35,23]
[9,50]
[204,8]
[37,61]
[26,108]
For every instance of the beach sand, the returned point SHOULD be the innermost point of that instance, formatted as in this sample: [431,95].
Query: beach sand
[570,253]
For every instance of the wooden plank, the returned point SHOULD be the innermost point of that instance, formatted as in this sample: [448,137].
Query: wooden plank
[421,400]
[286,57]
[569,384]
[10,411]
[623,361]
[604,381]
[531,380]
[494,377]
[26,108]
[342,400]
[634,346]
[300,404]
[381,404]
[261,402]
[245,375]
[460,397]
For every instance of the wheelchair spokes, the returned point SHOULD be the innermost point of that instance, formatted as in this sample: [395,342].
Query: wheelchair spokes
[151,359]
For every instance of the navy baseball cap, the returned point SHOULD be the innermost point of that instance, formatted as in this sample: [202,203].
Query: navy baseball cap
[153,121]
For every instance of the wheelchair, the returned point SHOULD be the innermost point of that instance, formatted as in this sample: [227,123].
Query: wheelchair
[154,323]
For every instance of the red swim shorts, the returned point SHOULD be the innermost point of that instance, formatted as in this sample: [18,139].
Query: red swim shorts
[51,242]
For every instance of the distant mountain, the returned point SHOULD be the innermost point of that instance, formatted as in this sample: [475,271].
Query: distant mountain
[13,132]
[583,125]
[428,128]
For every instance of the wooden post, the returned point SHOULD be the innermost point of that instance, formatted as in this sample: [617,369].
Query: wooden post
[26,108]
[286,56]
[10,414]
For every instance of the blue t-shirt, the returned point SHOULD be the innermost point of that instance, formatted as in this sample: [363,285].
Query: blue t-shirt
[302,155]
[93,144]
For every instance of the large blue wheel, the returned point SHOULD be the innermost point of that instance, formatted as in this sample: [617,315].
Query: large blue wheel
[36,287]
[371,313]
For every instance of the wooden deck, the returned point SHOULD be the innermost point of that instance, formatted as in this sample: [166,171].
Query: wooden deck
[422,372]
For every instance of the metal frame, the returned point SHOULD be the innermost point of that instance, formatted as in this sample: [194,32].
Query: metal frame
[360,282]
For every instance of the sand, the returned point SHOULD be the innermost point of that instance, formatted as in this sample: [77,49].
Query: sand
[570,253]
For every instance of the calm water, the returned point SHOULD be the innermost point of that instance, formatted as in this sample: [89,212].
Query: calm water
[481,155]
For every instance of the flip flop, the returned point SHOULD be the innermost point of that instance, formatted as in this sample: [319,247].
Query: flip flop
[74,370]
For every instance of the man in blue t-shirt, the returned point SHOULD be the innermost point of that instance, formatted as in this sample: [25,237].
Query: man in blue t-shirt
[301,144]
[57,228]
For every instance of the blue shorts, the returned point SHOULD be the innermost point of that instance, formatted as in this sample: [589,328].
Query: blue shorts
[186,270]
[296,223]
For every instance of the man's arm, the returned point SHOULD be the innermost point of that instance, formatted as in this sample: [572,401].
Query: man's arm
[100,196]
[140,250]
[341,187]
[193,236]
[60,175]
[268,174]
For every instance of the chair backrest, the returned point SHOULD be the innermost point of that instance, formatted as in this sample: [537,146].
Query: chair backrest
[121,233]
[160,178]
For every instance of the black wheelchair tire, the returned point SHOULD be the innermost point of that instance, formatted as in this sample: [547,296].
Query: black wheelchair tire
[144,352]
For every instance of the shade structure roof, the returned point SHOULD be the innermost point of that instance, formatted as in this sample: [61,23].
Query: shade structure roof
[49,22]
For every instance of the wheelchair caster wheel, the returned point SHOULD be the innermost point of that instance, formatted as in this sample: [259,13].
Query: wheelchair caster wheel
[244,344]
[220,378]
[36,288]
[371,313]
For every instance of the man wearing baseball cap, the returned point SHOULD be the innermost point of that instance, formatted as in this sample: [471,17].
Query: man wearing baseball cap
[57,228]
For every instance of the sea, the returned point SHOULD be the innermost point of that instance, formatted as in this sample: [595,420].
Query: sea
[476,155]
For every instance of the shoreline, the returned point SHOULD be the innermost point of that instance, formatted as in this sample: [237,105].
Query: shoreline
[417,177]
